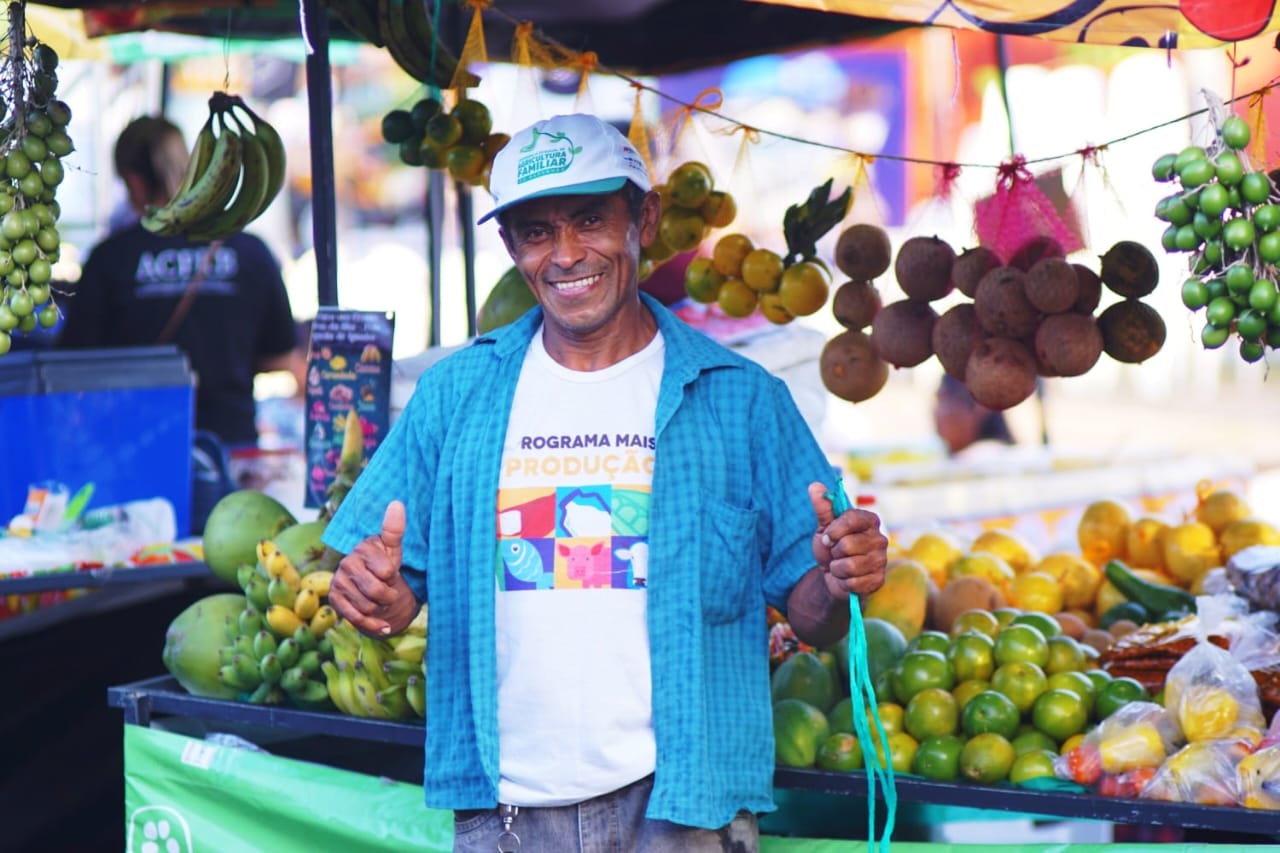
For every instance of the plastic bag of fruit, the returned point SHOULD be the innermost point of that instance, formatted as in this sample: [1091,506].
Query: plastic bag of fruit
[1202,772]
[1123,752]
[1212,696]
[1258,773]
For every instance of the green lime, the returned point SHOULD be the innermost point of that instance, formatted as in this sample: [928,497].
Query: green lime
[990,711]
[1036,764]
[1228,169]
[986,758]
[1251,351]
[1212,337]
[1251,324]
[1214,200]
[1239,277]
[1187,240]
[1021,641]
[1188,155]
[1255,187]
[972,656]
[1220,312]
[919,670]
[1269,247]
[935,641]
[1235,132]
[931,712]
[1266,217]
[938,758]
[1117,693]
[1033,739]
[1196,173]
[1262,296]
[1162,168]
[1195,295]
[1046,624]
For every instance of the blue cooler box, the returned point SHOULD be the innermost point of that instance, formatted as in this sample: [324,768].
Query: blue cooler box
[120,418]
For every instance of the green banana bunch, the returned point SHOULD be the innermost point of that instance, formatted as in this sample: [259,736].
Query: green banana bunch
[366,677]
[235,171]
[404,28]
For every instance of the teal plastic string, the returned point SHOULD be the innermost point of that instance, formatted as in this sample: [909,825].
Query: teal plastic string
[860,687]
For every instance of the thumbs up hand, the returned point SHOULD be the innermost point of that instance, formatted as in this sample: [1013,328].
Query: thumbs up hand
[850,549]
[368,589]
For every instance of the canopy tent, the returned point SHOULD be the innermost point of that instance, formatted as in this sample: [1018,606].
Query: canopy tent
[1170,24]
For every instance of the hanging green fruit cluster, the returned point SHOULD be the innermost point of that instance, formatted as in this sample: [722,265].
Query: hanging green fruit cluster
[460,141]
[1226,215]
[33,141]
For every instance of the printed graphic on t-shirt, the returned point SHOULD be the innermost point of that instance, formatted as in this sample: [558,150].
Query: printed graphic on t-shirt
[573,537]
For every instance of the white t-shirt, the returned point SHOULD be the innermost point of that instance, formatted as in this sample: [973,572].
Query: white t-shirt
[574,696]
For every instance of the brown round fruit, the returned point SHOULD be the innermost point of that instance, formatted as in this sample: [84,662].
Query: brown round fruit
[923,268]
[971,266]
[1068,344]
[856,304]
[955,334]
[1129,269]
[1089,289]
[1002,305]
[1000,373]
[1036,249]
[851,368]
[1052,286]
[1132,331]
[863,251]
[903,332]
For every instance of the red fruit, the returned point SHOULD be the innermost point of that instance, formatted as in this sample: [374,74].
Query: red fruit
[1235,21]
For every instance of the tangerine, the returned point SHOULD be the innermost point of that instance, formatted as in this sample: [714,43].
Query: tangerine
[774,311]
[930,641]
[735,298]
[972,656]
[1144,542]
[1077,578]
[921,669]
[728,253]
[719,209]
[1021,642]
[762,269]
[902,752]
[1059,714]
[841,751]
[1102,531]
[975,621]
[986,758]
[1037,591]
[938,758]
[701,281]
[1218,508]
[931,712]
[1045,624]
[1033,739]
[966,690]
[803,288]
[681,229]
[1035,764]
[689,184]
[990,711]
[1008,546]
[1022,682]
[1078,683]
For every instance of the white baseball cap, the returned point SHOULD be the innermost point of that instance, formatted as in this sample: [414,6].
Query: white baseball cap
[565,155]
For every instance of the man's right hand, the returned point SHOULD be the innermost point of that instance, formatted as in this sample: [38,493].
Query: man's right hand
[368,589]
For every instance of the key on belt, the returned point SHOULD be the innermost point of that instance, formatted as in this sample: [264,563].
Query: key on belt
[508,841]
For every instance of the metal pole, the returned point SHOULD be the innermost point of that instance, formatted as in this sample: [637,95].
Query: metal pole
[467,226]
[324,230]
[435,241]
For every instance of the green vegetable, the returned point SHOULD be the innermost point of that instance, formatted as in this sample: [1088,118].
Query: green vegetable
[1156,598]
[1131,610]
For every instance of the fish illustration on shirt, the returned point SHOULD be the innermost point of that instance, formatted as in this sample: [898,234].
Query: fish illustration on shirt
[525,563]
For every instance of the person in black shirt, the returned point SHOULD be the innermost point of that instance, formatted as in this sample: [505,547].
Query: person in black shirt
[239,324]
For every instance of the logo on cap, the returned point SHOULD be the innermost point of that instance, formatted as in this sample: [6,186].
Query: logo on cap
[553,159]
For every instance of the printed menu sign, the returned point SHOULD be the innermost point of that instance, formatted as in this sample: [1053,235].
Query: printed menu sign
[348,372]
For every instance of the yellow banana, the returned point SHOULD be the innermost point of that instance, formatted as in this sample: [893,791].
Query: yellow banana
[264,549]
[209,193]
[247,202]
[410,648]
[392,700]
[399,671]
[326,617]
[371,660]
[283,620]
[367,697]
[346,648]
[318,582]
[418,627]
[306,604]
[278,565]
[415,691]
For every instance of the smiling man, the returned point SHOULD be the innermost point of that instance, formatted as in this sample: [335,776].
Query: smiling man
[597,502]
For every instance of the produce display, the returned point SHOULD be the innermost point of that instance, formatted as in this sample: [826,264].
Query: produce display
[460,141]
[1226,215]
[1028,317]
[1099,666]
[743,278]
[33,142]
[691,208]
[235,170]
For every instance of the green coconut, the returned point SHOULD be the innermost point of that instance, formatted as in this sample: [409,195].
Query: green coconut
[193,639]
[235,526]
[509,299]
[301,544]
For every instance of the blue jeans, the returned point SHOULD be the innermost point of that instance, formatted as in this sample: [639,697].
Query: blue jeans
[610,823]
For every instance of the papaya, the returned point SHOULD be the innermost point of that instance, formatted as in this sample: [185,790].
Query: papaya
[804,676]
[509,299]
[192,641]
[301,544]
[237,522]
[798,730]
[903,599]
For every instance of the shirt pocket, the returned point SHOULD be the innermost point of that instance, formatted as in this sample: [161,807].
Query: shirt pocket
[730,562]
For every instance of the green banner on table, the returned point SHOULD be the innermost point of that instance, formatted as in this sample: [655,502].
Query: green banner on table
[183,794]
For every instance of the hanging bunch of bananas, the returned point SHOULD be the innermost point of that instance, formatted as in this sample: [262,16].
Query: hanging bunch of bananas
[33,141]
[383,679]
[405,30]
[277,646]
[236,168]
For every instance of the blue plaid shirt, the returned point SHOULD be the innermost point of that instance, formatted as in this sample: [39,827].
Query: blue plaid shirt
[730,529]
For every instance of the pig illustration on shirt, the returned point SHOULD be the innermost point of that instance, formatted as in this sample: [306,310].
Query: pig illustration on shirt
[589,564]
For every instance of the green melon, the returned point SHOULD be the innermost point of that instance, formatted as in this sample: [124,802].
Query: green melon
[804,676]
[235,526]
[193,639]
[509,299]
[301,544]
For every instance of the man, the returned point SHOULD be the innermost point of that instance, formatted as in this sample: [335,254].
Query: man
[597,502]
[239,323]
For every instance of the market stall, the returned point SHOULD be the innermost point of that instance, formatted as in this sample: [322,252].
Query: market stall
[915,499]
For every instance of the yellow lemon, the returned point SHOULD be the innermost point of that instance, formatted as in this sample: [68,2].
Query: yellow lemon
[1190,550]
[1008,546]
[1107,597]
[1144,542]
[984,565]
[1103,531]
[1077,577]
[1219,508]
[936,550]
[1207,712]
[1245,532]
[1036,591]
